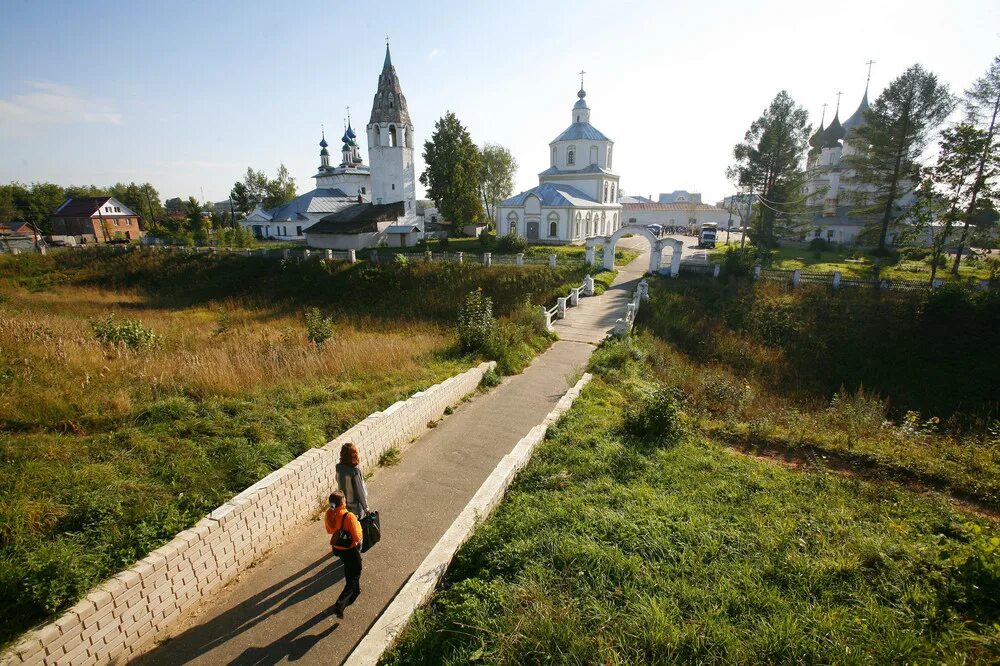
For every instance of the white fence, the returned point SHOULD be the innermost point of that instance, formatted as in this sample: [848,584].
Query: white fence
[563,302]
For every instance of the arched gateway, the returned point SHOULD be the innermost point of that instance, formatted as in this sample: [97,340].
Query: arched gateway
[656,247]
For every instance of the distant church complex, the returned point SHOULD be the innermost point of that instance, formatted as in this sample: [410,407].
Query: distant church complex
[356,205]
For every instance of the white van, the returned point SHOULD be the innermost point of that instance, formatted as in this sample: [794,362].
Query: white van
[707,235]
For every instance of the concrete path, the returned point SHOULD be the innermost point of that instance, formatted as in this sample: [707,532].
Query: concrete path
[279,610]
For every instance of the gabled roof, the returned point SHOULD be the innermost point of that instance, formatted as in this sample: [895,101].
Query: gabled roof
[358,218]
[590,168]
[88,206]
[680,206]
[581,131]
[319,201]
[553,194]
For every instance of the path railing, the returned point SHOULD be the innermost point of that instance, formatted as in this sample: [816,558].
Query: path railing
[564,302]
[623,326]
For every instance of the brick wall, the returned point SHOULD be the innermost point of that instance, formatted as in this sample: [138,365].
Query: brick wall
[123,616]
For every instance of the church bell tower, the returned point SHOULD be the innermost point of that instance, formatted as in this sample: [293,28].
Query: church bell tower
[390,143]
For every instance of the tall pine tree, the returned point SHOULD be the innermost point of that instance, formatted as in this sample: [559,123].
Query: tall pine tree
[769,164]
[895,133]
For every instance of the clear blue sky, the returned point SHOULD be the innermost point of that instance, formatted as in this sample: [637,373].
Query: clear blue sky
[188,94]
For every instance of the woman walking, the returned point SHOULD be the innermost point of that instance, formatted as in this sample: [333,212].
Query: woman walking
[351,481]
[346,544]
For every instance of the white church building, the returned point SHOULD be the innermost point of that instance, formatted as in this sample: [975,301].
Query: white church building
[388,214]
[577,196]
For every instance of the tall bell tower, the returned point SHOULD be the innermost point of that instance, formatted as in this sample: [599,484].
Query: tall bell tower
[390,142]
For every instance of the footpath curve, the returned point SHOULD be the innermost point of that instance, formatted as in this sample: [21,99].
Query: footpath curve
[279,610]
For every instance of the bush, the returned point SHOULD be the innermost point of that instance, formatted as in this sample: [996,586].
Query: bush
[657,415]
[914,253]
[490,379]
[738,261]
[124,333]
[318,328]
[401,260]
[476,323]
[506,344]
[511,244]
[820,245]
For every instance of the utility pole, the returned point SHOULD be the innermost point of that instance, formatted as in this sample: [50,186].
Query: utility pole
[730,225]
[149,204]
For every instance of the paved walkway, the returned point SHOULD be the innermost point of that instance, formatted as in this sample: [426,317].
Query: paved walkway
[279,610]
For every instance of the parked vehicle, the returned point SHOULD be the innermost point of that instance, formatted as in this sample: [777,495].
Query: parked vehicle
[707,235]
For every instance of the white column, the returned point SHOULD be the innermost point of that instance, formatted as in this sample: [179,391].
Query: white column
[552,261]
[561,307]
[675,258]
[329,255]
[590,255]
[574,296]
[487,258]
[519,259]
[796,277]
[609,256]
[588,286]
[836,279]
[352,256]
[459,257]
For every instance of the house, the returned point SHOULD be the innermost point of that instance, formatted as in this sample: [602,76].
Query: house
[20,229]
[82,220]
[365,225]
[678,216]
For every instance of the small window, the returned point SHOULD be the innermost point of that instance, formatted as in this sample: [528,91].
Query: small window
[571,156]
[298,231]
[553,156]
[512,230]
[394,186]
[363,191]
[553,229]
[631,220]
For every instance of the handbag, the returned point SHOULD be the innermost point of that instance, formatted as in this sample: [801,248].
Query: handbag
[371,530]
[342,538]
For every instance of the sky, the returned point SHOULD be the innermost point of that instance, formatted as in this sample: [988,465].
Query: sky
[188,94]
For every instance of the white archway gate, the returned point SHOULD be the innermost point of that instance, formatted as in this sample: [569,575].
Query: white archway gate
[656,247]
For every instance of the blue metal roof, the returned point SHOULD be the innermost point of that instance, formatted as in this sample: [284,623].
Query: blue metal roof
[590,168]
[581,131]
[553,194]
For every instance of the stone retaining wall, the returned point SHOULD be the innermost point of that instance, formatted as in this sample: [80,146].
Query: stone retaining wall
[122,617]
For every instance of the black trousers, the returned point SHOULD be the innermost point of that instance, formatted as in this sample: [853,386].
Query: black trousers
[352,573]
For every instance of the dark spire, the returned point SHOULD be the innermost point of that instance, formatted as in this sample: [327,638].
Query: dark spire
[322,142]
[389,105]
[388,60]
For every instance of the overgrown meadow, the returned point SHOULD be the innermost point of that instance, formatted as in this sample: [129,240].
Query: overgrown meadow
[633,538]
[139,391]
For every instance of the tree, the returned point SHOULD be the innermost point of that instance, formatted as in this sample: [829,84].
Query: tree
[195,220]
[257,188]
[43,200]
[769,163]
[8,211]
[496,177]
[895,133]
[982,103]
[174,205]
[142,199]
[452,172]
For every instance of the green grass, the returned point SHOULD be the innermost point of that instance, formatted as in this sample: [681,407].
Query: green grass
[614,549]
[108,450]
[857,264]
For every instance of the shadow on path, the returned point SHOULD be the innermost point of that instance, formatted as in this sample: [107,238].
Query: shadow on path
[304,584]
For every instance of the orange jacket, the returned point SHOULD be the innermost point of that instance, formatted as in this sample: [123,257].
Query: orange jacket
[333,523]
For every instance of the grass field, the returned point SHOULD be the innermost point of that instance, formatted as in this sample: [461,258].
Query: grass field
[110,449]
[859,265]
[618,547]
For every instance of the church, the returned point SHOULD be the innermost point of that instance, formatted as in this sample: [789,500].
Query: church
[577,196]
[832,188]
[355,205]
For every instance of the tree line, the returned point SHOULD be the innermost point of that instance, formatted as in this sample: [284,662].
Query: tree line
[36,202]
[959,189]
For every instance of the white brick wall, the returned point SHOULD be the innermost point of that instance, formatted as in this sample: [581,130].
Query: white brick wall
[124,615]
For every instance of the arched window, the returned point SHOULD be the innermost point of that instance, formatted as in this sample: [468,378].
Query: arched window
[612,193]
[603,224]
[571,156]
[605,192]
[609,157]
[577,231]
[553,224]
[593,154]
[553,156]
[391,102]
[590,228]
[392,136]
[378,136]
[512,223]
[614,222]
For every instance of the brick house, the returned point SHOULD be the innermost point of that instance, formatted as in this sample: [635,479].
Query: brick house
[94,220]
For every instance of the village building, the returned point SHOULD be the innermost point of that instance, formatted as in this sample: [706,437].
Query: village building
[384,211]
[679,211]
[577,196]
[82,220]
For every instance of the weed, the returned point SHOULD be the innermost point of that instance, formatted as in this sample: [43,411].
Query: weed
[319,328]
[448,411]
[490,379]
[128,333]
[390,457]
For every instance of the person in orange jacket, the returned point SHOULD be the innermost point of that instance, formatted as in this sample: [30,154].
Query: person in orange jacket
[346,544]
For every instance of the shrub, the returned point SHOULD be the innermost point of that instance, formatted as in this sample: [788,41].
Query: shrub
[490,379]
[511,244]
[318,328]
[401,260]
[485,240]
[657,415]
[506,345]
[443,243]
[820,245]
[738,261]
[390,457]
[475,321]
[914,253]
[128,333]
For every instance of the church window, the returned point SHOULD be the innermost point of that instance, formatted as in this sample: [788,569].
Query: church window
[612,192]
[363,191]
[392,136]
[614,222]
[553,224]
[298,231]
[394,186]
[391,101]
[605,193]
[408,138]
[571,156]
[378,136]
[577,234]
[590,229]
[553,156]
[512,223]
[593,154]
[609,157]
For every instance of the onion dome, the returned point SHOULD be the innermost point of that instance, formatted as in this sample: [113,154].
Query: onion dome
[323,144]
[581,103]
[350,132]
[858,118]
[816,140]
[324,151]
[834,133]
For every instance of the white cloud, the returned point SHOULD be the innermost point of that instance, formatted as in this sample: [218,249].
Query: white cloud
[434,53]
[47,103]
